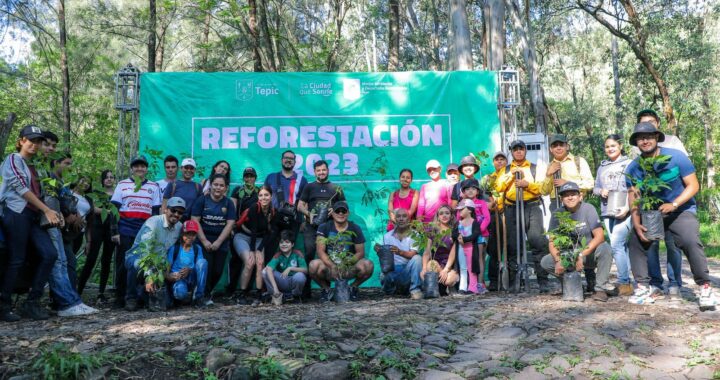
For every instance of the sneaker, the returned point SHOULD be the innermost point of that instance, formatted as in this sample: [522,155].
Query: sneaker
[33,310]
[7,314]
[277,299]
[77,311]
[131,304]
[325,295]
[242,299]
[674,293]
[416,294]
[354,293]
[203,303]
[707,300]
[101,299]
[482,289]
[625,290]
[643,295]
[600,296]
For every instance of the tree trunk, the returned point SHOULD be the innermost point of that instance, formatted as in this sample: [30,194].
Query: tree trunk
[272,66]
[257,58]
[152,38]
[160,55]
[394,36]
[494,20]
[340,9]
[462,51]
[435,39]
[5,129]
[526,43]
[616,81]
[65,74]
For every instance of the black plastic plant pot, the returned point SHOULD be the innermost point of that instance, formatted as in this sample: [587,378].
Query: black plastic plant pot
[157,301]
[653,221]
[54,204]
[572,287]
[342,291]
[387,258]
[321,217]
[430,284]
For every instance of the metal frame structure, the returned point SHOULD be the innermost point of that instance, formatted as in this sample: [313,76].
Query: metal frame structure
[508,102]
[127,97]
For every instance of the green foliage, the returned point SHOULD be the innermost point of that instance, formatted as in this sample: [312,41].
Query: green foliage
[194,359]
[102,201]
[59,362]
[421,233]
[153,261]
[651,183]
[337,247]
[566,239]
[267,368]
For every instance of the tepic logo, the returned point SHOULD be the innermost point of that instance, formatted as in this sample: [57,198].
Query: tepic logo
[244,89]
[351,89]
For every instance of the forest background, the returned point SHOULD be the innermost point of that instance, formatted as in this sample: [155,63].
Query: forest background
[587,66]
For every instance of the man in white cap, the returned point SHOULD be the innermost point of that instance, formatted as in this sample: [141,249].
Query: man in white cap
[158,233]
[185,187]
[432,194]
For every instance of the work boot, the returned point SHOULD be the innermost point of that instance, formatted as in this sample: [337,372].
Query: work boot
[590,279]
[131,304]
[625,290]
[7,314]
[32,309]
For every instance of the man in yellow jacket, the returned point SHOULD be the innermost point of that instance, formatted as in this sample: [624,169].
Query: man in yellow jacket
[530,181]
[571,168]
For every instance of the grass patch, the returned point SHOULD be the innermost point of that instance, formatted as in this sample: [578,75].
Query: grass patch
[58,362]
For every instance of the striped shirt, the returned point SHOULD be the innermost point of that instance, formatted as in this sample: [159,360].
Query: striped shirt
[135,206]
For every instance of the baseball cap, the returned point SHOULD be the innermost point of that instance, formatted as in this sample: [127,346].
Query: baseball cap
[645,127]
[432,164]
[339,205]
[452,167]
[249,172]
[31,132]
[191,226]
[569,186]
[175,202]
[188,162]
[517,143]
[140,160]
[465,203]
[499,153]
[470,183]
[558,138]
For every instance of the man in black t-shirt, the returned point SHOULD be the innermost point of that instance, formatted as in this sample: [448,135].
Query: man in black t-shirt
[335,238]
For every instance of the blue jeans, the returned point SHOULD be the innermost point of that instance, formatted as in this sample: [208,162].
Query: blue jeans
[619,232]
[132,268]
[182,290]
[63,292]
[404,276]
[674,263]
[23,229]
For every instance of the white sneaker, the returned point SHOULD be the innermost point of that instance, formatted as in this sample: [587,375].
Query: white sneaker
[707,300]
[77,310]
[674,293]
[416,294]
[643,295]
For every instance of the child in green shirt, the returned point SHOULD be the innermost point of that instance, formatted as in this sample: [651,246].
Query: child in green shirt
[285,275]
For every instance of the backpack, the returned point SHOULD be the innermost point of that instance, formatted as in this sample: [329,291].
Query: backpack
[176,252]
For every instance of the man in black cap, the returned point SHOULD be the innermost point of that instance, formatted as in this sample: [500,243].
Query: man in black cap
[571,168]
[334,238]
[679,211]
[496,226]
[596,255]
[468,167]
[674,256]
[531,178]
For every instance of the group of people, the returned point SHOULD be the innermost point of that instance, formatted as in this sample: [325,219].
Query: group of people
[194,225]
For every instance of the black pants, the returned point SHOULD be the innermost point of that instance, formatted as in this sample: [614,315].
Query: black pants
[101,236]
[492,251]
[309,235]
[216,264]
[21,229]
[535,233]
[234,271]
[685,230]
[126,243]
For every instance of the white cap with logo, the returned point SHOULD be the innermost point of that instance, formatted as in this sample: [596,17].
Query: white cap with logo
[188,162]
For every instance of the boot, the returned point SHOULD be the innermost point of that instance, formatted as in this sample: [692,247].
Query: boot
[32,309]
[590,279]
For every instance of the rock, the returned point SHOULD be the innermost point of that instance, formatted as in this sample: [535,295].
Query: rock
[560,362]
[632,370]
[435,340]
[475,373]
[334,370]
[538,354]
[393,373]
[508,333]
[649,373]
[438,375]
[98,373]
[641,350]
[528,373]
[603,363]
[475,356]
[665,363]
[700,372]
[462,366]
[241,373]
[218,358]
[347,347]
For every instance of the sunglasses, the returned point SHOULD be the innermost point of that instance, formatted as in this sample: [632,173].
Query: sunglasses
[340,211]
[177,211]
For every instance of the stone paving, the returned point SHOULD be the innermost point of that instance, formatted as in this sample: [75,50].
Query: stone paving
[494,336]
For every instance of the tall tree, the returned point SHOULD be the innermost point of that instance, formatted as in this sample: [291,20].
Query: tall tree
[394,36]
[637,40]
[461,57]
[64,73]
[152,36]
[494,34]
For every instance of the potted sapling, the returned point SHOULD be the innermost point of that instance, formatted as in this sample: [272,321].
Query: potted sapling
[566,239]
[648,202]
[422,233]
[338,250]
[154,265]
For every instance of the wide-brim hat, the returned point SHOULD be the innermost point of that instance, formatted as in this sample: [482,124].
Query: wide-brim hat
[645,127]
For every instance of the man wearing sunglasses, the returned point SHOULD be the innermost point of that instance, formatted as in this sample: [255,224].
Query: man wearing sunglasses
[334,237]
[164,230]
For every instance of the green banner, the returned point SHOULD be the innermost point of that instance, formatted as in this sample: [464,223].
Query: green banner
[367,126]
